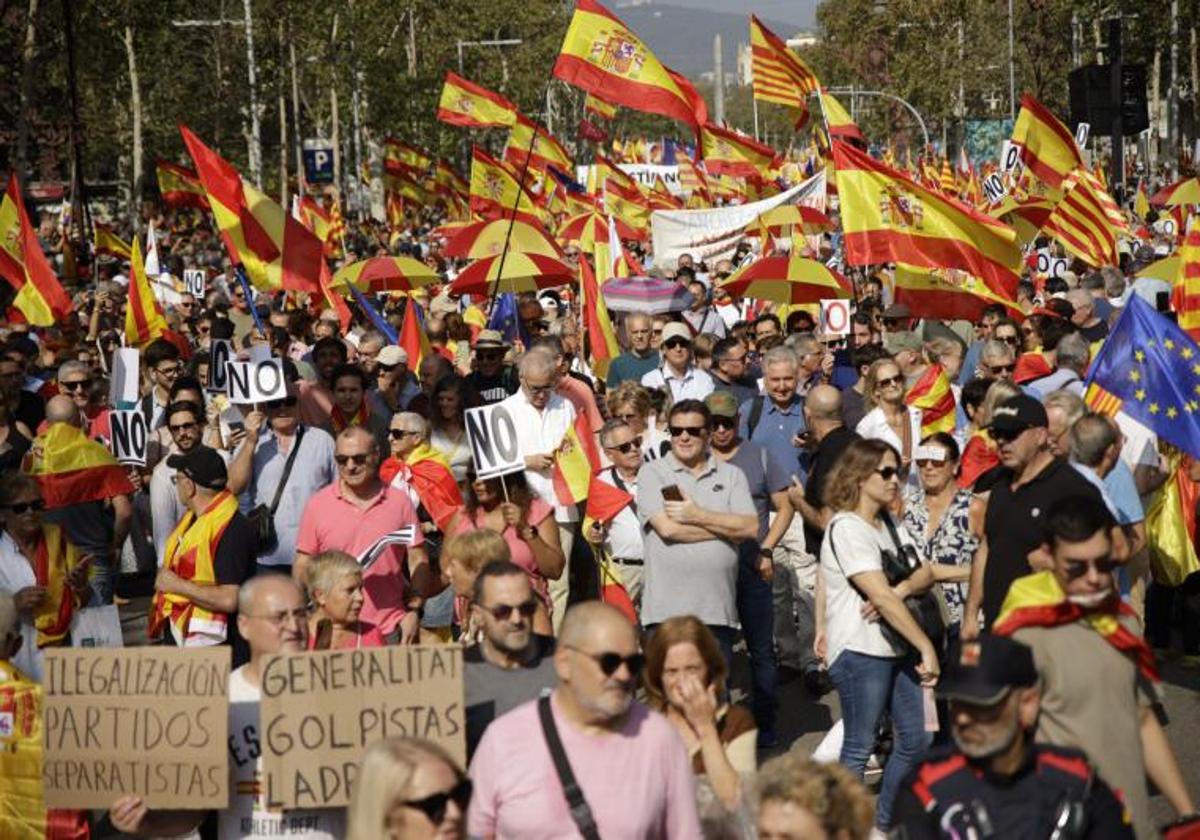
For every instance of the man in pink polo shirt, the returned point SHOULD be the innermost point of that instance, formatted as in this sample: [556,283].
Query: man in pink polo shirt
[350,515]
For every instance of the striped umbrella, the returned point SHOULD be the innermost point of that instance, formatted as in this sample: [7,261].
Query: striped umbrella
[650,295]
[787,279]
[521,273]
[586,228]
[485,239]
[385,274]
[1186,191]
[804,220]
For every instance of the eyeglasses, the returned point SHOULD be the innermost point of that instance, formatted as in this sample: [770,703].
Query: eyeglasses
[179,427]
[359,460]
[632,445]
[279,619]
[898,379]
[271,405]
[676,343]
[996,370]
[887,473]
[502,612]
[610,662]
[434,806]
[724,422]
[693,431]
[398,434]
[77,385]
[22,507]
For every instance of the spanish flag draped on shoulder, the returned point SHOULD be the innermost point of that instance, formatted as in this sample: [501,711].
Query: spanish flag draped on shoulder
[602,56]
[1047,147]
[40,298]
[464,103]
[889,218]
[71,468]
[144,320]
[276,250]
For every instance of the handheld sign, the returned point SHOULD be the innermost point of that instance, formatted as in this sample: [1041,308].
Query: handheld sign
[129,436]
[993,188]
[124,387]
[493,436]
[320,710]
[194,281]
[220,353]
[835,317]
[256,382]
[147,721]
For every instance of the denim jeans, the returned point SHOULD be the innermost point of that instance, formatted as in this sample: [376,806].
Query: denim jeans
[866,685]
[755,612]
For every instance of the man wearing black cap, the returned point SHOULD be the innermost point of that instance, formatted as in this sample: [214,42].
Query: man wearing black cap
[1031,478]
[994,781]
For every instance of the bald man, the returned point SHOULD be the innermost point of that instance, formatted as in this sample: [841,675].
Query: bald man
[629,763]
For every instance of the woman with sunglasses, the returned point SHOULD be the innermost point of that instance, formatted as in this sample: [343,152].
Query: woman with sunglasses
[409,789]
[335,587]
[878,656]
[448,403]
[685,680]
[888,418]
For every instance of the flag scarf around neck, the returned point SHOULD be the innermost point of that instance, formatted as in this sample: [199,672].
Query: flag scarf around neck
[276,250]
[191,553]
[466,104]
[602,56]
[70,468]
[55,558]
[933,395]
[40,297]
[1038,600]
[1047,147]
[430,475]
[180,186]
[889,218]
[144,319]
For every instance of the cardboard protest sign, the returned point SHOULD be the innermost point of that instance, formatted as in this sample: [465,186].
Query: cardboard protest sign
[129,436]
[493,436]
[220,353]
[149,721]
[321,710]
[255,382]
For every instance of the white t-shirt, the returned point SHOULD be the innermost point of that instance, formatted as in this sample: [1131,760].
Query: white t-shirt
[852,546]
[245,816]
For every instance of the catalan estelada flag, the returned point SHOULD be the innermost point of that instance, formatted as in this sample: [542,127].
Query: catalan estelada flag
[71,468]
[575,460]
[180,186]
[144,320]
[887,217]
[726,152]
[40,298]
[1185,294]
[276,250]
[1047,147]
[931,393]
[467,104]
[778,74]
[526,139]
[105,241]
[602,56]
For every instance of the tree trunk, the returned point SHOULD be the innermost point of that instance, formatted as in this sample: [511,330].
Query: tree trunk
[21,164]
[135,107]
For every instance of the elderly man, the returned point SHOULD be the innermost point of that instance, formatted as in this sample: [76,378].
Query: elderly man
[695,509]
[640,358]
[350,515]
[631,769]
[542,418]
[677,374]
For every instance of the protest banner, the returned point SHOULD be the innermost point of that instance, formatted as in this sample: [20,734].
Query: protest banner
[129,436]
[255,382]
[220,354]
[195,281]
[321,710]
[149,722]
[493,436]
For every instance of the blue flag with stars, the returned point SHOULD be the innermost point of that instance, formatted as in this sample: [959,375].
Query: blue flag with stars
[1150,369]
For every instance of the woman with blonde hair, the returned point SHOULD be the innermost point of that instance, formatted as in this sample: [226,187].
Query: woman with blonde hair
[802,799]
[408,789]
[335,584]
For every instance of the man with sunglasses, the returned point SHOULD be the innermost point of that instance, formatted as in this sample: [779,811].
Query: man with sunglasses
[511,665]
[492,379]
[640,358]
[622,537]
[630,767]
[678,374]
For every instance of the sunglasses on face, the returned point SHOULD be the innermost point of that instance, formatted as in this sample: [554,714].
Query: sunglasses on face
[434,806]
[22,507]
[78,385]
[887,473]
[359,460]
[692,431]
[890,381]
[632,445]
[271,405]
[610,662]
[502,612]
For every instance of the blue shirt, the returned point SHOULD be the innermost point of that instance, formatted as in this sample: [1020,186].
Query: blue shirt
[775,430]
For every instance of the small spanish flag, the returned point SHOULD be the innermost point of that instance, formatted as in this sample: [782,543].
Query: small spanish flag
[71,468]
[932,394]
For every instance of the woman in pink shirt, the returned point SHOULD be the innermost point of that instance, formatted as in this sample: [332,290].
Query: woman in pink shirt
[335,581]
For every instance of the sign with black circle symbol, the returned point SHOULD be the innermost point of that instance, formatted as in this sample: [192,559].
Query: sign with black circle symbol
[835,317]
[1011,157]
[255,382]
[493,435]
[220,353]
[993,188]
[129,436]
[195,281]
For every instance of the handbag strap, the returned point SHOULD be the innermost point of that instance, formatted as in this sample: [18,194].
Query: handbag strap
[581,814]
[287,470]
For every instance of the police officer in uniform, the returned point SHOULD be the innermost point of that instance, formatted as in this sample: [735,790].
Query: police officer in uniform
[993,781]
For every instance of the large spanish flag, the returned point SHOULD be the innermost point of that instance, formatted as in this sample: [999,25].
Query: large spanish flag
[40,298]
[526,139]
[726,152]
[276,250]
[1047,147]
[180,186]
[779,75]
[71,468]
[1082,222]
[467,104]
[144,319]
[602,56]
[887,217]
[933,395]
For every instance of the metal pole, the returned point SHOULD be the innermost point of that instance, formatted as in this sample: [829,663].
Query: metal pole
[255,124]
[1012,68]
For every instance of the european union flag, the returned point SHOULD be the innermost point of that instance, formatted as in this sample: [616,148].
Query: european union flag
[1150,369]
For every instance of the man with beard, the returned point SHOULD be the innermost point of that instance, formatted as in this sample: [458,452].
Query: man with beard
[993,780]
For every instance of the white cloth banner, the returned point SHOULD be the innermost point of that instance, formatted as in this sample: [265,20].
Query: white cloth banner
[713,234]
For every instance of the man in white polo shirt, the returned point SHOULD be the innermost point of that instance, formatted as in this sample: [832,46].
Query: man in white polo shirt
[677,371]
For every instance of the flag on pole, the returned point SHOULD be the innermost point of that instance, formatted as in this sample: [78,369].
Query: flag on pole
[1047,148]
[778,74]
[39,297]
[726,152]
[932,394]
[144,319]
[180,186]
[464,103]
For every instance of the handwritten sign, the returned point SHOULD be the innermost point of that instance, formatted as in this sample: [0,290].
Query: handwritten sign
[493,436]
[255,382]
[321,710]
[150,722]
[129,436]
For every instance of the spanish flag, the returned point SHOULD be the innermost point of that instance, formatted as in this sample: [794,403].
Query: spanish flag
[600,338]
[602,56]
[276,251]
[401,158]
[575,460]
[1185,294]
[932,394]
[1037,600]
[726,152]
[180,186]
[526,139]
[107,242]
[464,103]
[889,218]
[495,190]
[779,75]
[144,319]
[39,296]
[71,468]
[1047,147]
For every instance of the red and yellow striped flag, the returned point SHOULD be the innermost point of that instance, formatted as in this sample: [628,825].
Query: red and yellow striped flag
[1047,147]
[40,298]
[1185,294]
[180,186]
[725,152]
[71,468]
[107,242]
[932,394]
[144,319]
[575,460]
[778,74]
[1081,221]
[526,139]
[467,104]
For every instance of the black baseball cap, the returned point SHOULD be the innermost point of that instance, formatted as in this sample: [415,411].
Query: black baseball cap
[1016,414]
[982,671]
[202,465]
